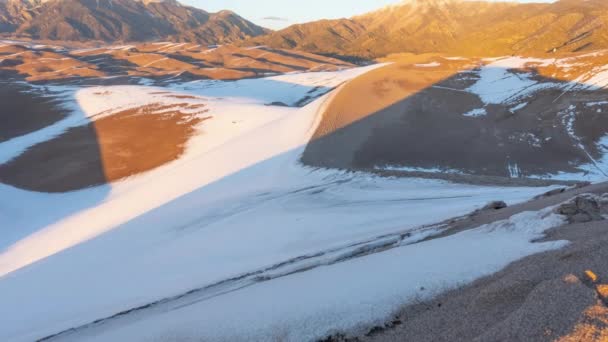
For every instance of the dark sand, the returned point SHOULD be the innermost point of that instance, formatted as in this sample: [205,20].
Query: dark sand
[22,112]
[544,297]
[403,115]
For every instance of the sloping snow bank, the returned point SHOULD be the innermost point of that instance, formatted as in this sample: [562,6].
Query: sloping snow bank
[349,296]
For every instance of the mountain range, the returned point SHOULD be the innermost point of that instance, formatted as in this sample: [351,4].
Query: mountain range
[121,20]
[454,26]
[416,26]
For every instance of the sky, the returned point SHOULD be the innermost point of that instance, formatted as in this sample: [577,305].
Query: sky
[277,14]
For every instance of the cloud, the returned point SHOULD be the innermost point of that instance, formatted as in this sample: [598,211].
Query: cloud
[275,18]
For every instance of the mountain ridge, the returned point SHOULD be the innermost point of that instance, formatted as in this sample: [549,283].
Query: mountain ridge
[454,26]
[472,28]
[122,21]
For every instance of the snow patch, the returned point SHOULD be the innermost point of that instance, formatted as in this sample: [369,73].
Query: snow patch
[597,103]
[518,107]
[476,113]
[418,169]
[499,84]
[428,65]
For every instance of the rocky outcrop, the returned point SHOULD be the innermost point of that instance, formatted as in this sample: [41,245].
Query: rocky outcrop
[495,205]
[581,209]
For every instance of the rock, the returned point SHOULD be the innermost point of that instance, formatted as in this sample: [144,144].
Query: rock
[590,277]
[496,205]
[604,199]
[580,185]
[604,204]
[277,104]
[602,291]
[582,208]
[551,193]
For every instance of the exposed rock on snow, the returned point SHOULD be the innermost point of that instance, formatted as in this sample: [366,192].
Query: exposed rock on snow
[551,193]
[604,199]
[582,208]
[495,205]
[491,206]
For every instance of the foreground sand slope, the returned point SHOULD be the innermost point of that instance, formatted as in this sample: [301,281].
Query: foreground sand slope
[559,295]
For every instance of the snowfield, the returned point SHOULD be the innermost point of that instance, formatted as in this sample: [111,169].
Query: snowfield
[237,240]
[350,296]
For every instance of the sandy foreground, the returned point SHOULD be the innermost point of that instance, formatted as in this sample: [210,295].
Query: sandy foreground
[559,295]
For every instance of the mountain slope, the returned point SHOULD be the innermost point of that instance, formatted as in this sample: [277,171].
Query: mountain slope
[325,36]
[455,26]
[121,20]
[426,26]
[567,25]
[14,13]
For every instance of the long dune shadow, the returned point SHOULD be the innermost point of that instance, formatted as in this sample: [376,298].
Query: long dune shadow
[59,162]
[22,113]
[25,118]
[108,63]
[427,129]
[56,162]
[267,61]
[420,124]
[188,59]
[444,127]
[293,55]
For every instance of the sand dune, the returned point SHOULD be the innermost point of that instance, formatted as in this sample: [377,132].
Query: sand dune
[155,60]
[511,117]
[112,148]
[197,190]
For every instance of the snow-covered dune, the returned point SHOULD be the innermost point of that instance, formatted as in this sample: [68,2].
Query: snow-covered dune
[235,208]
